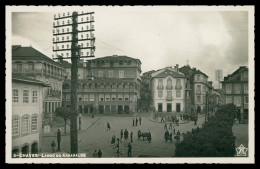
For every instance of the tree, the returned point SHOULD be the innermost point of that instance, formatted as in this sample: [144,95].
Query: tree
[63,112]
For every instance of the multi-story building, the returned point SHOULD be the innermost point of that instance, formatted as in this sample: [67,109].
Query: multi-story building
[29,62]
[197,87]
[27,109]
[168,90]
[235,89]
[112,85]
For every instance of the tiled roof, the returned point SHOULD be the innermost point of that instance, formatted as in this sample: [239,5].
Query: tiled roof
[101,80]
[234,76]
[30,52]
[114,58]
[168,72]
[28,80]
[190,72]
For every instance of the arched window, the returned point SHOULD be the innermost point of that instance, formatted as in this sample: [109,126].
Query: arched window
[169,84]
[25,124]
[15,126]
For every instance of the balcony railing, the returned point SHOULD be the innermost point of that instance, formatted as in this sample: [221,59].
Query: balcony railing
[103,90]
[160,87]
[55,93]
[169,98]
[35,72]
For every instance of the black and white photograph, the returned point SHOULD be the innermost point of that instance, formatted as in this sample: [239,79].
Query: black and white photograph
[130,84]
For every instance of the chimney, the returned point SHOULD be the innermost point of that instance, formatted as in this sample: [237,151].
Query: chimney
[177,68]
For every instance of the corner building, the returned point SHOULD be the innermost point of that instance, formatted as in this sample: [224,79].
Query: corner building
[111,86]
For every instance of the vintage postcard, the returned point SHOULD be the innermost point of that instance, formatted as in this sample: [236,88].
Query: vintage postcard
[130,84]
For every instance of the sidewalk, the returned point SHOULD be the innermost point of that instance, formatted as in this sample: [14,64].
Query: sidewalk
[86,122]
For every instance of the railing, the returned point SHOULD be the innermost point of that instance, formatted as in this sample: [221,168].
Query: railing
[160,87]
[42,72]
[103,90]
[169,98]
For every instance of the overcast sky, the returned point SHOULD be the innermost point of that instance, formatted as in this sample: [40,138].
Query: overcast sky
[158,36]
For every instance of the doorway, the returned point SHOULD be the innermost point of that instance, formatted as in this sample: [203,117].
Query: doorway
[178,107]
[159,107]
[169,107]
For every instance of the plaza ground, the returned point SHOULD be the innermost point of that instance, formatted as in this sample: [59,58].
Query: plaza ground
[94,136]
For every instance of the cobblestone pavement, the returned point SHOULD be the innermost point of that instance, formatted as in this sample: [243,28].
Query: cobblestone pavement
[97,137]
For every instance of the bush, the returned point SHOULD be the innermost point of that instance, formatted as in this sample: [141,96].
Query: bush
[214,139]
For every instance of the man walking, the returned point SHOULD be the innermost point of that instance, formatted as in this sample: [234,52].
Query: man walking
[121,133]
[136,121]
[129,152]
[131,136]
[99,153]
[166,135]
[140,120]
[58,139]
[108,126]
[149,137]
[170,137]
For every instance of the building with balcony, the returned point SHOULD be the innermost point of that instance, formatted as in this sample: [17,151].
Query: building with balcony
[27,112]
[111,86]
[235,89]
[197,87]
[30,63]
[168,90]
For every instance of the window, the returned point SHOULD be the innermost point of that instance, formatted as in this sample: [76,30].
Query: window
[15,95]
[198,77]
[198,89]
[15,126]
[62,37]
[160,83]
[120,97]
[25,125]
[34,123]
[68,29]
[101,73]
[245,88]
[67,97]
[126,97]
[80,97]
[113,97]
[204,99]
[228,88]
[169,93]
[160,93]
[107,97]
[25,96]
[245,75]
[62,30]
[31,66]
[91,97]
[111,73]
[85,97]
[237,101]
[120,62]
[246,100]
[129,62]
[204,88]
[228,99]
[178,93]
[169,84]
[237,88]
[198,99]
[35,97]
[121,73]
[101,97]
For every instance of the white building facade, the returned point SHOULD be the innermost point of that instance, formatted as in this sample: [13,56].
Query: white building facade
[168,90]
[27,112]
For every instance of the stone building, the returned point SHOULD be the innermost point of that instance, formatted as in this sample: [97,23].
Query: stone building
[28,62]
[111,85]
[235,89]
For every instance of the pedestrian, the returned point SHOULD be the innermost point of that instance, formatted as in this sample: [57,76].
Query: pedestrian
[121,133]
[136,121]
[108,126]
[161,119]
[139,134]
[53,146]
[95,154]
[149,137]
[127,134]
[129,152]
[133,121]
[170,137]
[113,139]
[140,120]
[58,139]
[165,125]
[131,136]
[174,130]
[99,153]
[170,125]
[178,133]
[166,135]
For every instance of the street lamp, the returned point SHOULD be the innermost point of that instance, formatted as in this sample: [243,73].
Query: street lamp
[79,121]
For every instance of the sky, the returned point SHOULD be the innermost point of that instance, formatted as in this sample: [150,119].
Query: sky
[159,36]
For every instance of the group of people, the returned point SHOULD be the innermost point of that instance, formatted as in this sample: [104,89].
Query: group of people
[135,121]
[97,154]
[168,136]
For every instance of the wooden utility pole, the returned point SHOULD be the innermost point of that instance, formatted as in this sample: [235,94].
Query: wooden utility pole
[76,54]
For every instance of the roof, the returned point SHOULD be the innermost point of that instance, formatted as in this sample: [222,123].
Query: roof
[168,72]
[30,53]
[235,75]
[114,58]
[103,80]
[199,72]
[190,72]
[23,79]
